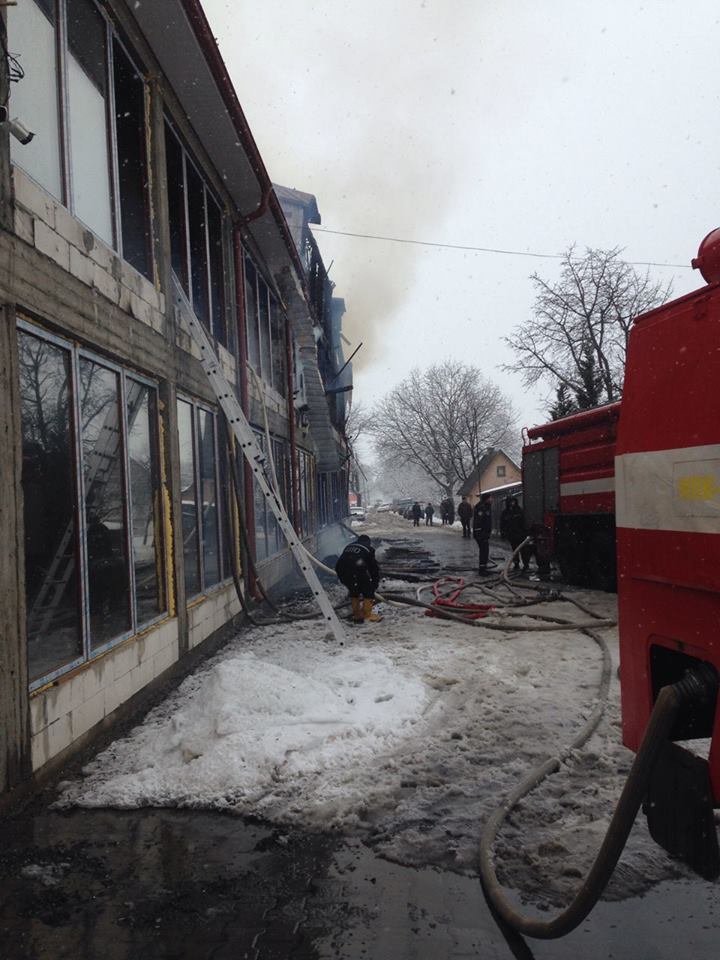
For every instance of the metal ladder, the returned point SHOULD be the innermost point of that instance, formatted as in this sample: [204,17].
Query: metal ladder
[253,453]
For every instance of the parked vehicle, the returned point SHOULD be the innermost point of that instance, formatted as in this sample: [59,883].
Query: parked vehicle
[568,469]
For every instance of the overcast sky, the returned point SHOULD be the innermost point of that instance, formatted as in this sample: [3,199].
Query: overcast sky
[513,124]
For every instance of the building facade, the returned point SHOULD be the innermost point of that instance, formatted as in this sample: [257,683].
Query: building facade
[121,524]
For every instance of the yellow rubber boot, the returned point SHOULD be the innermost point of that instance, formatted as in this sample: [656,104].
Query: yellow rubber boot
[357,610]
[369,614]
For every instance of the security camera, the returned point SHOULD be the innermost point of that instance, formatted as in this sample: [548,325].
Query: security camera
[17,129]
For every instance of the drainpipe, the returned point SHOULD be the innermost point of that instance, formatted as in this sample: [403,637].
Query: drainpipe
[294,479]
[244,395]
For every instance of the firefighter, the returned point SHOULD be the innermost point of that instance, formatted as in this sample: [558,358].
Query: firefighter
[358,570]
[482,528]
[465,512]
[512,529]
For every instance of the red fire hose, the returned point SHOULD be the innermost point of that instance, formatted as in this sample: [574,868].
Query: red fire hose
[449,600]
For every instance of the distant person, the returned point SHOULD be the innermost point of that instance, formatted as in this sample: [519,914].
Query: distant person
[416,513]
[451,511]
[482,528]
[465,512]
[512,529]
[429,511]
[358,570]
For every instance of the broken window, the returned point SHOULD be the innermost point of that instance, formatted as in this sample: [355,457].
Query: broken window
[75,67]
[93,540]
[196,237]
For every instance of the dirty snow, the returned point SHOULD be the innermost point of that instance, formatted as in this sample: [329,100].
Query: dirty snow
[409,734]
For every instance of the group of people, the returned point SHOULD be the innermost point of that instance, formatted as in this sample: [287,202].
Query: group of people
[416,512]
[358,569]
[477,523]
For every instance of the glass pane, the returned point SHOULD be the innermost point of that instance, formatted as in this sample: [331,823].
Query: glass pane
[189,499]
[176,205]
[132,162]
[144,498]
[208,485]
[198,249]
[31,35]
[105,518]
[217,281]
[264,324]
[86,35]
[51,561]
[251,318]
[87,122]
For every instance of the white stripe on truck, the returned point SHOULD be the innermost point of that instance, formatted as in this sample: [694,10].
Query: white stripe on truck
[578,487]
[676,490]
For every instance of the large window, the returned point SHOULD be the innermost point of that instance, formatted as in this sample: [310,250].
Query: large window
[204,552]
[91,483]
[196,237]
[265,323]
[84,98]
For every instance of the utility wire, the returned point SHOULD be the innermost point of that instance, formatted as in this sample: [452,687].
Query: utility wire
[508,253]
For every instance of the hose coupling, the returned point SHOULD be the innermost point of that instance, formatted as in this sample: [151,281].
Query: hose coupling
[700,683]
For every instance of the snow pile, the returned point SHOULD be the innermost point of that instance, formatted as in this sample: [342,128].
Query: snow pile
[409,734]
[252,725]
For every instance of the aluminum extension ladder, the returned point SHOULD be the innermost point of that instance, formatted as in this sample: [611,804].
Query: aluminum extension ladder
[253,453]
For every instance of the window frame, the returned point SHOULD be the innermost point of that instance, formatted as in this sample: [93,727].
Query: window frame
[220,497]
[268,368]
[186,281]
[76,352]
[67,198]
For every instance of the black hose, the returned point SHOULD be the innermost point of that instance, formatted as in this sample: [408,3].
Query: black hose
[662,718]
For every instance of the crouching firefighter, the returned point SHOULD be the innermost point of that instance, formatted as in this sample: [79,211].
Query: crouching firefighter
[357,569]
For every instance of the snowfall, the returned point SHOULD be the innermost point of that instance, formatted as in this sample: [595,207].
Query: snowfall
[408,734]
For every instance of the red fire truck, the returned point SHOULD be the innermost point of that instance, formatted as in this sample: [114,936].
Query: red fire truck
[668,545]
[568,469]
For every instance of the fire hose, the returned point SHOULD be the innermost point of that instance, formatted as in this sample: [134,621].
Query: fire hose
[698,683]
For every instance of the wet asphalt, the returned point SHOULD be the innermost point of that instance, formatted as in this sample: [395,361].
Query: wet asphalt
[175,885]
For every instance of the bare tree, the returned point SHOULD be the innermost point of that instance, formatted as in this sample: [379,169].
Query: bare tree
[442,420]
[578,333]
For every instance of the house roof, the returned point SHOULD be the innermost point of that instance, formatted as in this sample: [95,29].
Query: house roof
[485,461]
